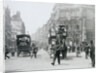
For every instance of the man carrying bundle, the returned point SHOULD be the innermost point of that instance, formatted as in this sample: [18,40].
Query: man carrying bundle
[57,48]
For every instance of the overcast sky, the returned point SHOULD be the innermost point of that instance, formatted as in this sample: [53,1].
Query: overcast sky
[33,14]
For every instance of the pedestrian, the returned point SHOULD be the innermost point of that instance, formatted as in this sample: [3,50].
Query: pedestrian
[73,48]
[64,50]
[6,52]
[32,48]
[57,48]
[68,48]
[86,50]
[78,51]
[13,51]
[92,53]
[35,50]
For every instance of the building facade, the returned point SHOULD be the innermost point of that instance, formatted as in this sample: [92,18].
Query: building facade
[7,27]
[17,24]
[78,19]
[17,27]
[13,26]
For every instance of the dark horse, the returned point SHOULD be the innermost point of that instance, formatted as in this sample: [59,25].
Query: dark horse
[64,51]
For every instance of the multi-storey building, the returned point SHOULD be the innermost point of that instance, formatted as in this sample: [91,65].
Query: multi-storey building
[17,24]
[13,26]
[17,28]
[78,19]
[7,29]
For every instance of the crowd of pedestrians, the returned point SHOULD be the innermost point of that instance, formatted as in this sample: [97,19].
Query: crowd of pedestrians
[88,48]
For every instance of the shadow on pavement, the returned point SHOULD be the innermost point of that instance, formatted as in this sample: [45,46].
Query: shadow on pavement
[71,57]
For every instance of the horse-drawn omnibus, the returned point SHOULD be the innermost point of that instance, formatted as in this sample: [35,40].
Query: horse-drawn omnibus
[23,44]
[53,33]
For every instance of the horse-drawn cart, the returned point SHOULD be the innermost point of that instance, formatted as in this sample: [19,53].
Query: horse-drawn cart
[23,44]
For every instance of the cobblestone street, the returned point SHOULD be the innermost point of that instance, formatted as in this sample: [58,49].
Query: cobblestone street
[43,62]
